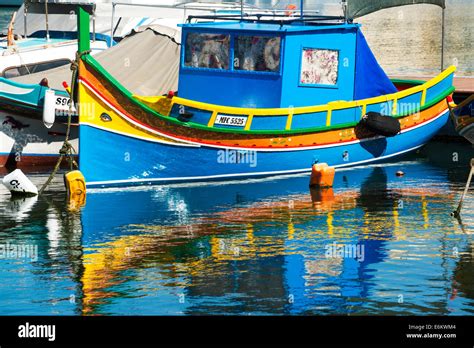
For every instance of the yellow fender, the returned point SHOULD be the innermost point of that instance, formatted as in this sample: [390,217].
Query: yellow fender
[76,189]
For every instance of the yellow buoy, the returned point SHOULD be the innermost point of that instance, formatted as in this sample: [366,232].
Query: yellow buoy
[322,175]
[76,189]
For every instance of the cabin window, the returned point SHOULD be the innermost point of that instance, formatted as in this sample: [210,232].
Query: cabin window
[257,53]
[204,50]
[319,66]
[33,68]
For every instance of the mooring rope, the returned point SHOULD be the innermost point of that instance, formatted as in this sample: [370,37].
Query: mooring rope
[67,150]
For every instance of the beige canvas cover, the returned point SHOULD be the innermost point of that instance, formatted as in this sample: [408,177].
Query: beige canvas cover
[146,62]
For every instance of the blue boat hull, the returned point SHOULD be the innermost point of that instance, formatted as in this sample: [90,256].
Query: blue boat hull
[133,161]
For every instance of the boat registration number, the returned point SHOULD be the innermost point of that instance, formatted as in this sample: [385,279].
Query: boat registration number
[62,103]
[227,120]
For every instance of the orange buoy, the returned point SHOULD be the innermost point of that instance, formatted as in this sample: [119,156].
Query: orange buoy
[322,175]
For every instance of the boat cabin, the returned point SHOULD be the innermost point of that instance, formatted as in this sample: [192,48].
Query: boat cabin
[273,65]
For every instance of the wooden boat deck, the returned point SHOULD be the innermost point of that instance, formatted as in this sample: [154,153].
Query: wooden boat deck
[463,84]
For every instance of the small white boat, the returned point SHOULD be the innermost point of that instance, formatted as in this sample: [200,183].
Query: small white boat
[44,49]
[38,53]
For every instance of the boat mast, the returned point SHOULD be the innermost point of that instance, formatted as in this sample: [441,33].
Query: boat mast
[301,9]
[46,17]
[25,20]
[83,29]
[442,38]
[344,9]
[241,10]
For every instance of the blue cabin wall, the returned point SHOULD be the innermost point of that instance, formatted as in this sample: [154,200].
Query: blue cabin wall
[230,88]
[297,94]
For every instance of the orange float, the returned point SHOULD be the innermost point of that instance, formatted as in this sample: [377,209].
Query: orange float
[322,175]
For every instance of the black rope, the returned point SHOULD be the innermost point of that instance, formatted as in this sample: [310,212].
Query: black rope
[67,150]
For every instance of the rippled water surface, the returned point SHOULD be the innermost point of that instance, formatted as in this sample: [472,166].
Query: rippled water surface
[257,247]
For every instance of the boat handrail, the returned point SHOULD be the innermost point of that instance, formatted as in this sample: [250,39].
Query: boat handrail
[290,112]
[206,7]
[275,17]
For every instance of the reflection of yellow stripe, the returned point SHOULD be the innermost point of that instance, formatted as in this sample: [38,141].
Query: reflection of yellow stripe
[424,210]
[396,222]
[329,221]
[250,235]
[291,230]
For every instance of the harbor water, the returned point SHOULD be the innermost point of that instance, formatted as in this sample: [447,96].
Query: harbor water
[377,243]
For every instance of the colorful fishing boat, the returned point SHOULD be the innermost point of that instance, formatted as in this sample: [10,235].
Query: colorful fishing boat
[256,98]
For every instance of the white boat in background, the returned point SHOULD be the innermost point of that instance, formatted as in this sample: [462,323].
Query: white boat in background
[45,48]
[37,53]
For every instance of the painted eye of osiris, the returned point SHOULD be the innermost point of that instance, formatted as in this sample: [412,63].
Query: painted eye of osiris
[105,117]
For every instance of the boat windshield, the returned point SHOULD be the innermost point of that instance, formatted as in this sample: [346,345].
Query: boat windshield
[247,52]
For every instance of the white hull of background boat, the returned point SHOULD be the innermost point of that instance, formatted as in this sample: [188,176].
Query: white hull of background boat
[66,50]
[25,141]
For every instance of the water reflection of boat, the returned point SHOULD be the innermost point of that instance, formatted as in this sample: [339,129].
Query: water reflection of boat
[189,232]
[463,279]
[260,244]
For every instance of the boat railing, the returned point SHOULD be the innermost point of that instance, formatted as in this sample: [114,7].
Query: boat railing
[275,17]
[214,8]
[164,105]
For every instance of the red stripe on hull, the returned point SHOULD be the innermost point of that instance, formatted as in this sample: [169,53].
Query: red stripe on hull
[31,162]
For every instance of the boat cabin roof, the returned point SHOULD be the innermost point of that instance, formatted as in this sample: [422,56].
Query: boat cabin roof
[294,27]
